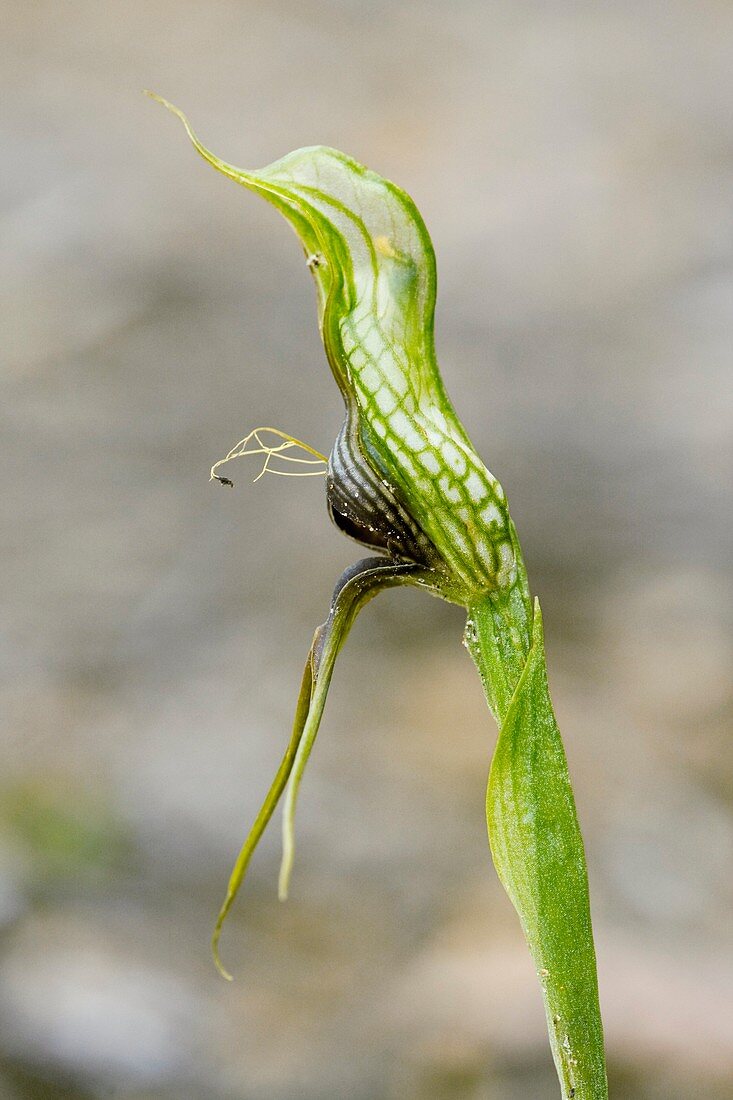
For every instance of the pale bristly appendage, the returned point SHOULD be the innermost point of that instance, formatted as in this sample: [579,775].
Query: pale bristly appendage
[276,451]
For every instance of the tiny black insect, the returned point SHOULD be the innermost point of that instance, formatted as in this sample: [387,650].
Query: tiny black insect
[224,481]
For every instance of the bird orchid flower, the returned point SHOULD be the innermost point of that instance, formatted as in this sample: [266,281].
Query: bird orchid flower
[404,480]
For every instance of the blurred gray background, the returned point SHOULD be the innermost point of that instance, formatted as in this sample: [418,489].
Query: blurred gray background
[573,163]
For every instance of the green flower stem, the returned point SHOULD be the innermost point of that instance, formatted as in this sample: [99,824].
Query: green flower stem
[535,838]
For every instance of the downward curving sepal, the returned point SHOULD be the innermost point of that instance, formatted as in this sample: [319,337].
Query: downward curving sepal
[357,585]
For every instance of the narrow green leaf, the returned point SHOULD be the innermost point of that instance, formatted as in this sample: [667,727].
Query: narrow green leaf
[539,856]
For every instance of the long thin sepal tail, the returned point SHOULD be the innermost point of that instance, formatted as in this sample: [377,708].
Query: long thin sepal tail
[359,584]
[263,817]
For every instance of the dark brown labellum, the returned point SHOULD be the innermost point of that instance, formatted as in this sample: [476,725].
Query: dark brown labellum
[367,508]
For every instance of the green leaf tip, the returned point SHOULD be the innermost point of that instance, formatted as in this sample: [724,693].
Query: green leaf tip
[404,480]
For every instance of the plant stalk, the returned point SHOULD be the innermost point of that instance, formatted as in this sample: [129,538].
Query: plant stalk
[534,834]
